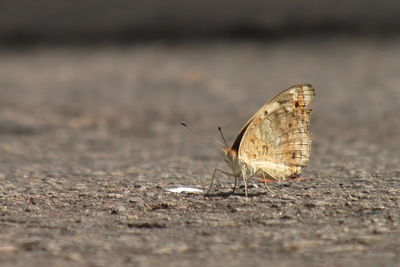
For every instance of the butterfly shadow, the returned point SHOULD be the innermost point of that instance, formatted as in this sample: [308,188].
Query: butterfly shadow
[242,194]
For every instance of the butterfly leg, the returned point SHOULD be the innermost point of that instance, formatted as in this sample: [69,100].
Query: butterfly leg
[247,178]
[212,179]
[265,182]
[234,186]
[245,185]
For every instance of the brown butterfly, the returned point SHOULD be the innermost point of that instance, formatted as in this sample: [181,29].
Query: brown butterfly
[275,142]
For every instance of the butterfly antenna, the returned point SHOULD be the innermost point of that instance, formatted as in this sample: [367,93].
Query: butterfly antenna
[199,133]
[223,137]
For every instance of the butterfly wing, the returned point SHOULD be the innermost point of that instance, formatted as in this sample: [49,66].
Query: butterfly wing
[276,138]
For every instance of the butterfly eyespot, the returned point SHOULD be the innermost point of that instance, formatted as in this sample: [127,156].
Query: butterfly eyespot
[293,155]
[297,104]
[266,112]
[290,125]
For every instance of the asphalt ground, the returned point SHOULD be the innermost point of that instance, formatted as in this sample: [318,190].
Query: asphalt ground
[90,140]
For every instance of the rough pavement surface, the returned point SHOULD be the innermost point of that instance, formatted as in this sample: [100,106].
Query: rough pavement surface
[90,140]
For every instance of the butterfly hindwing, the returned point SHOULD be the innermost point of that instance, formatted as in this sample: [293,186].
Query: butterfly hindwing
[277,139]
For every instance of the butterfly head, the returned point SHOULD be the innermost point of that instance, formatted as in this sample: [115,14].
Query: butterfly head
[230,156]
[228,153]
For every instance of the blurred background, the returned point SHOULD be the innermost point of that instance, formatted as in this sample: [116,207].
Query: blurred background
[123,20]
[135,69]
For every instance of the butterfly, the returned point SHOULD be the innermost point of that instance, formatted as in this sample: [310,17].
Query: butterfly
[275,142]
